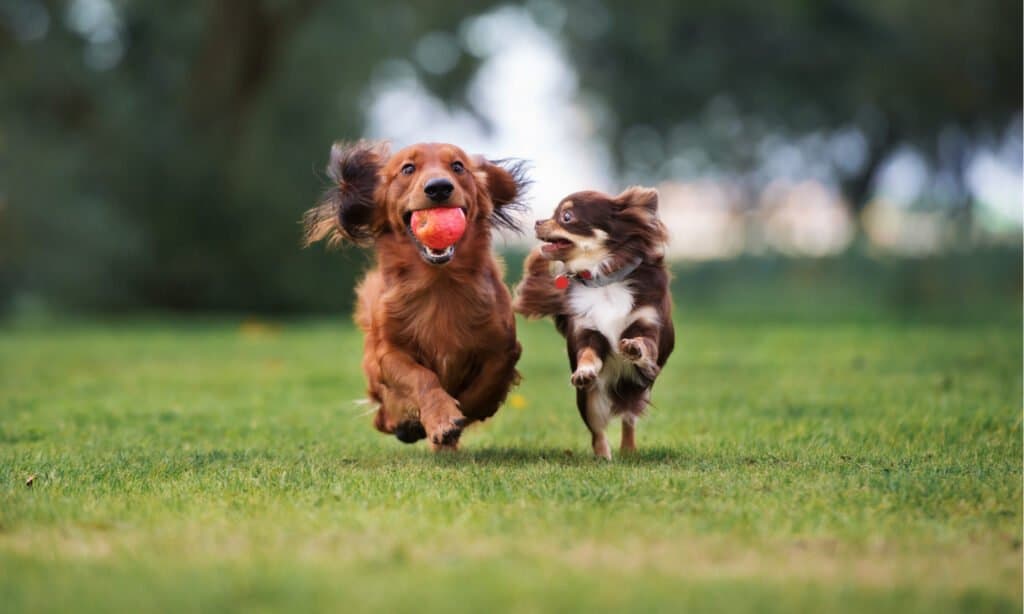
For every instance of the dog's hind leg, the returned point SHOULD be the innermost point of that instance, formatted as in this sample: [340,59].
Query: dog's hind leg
[587,352]
[628,433]
[631,400]
[485,394]
[596,409]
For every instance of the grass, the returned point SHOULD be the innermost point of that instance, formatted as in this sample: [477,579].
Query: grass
[822,465]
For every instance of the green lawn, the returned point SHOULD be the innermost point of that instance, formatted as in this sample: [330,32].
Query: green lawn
[822,465]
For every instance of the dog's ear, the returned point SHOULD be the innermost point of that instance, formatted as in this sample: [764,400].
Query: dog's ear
[505,183]
[639,206]
[639,198]
[348,210]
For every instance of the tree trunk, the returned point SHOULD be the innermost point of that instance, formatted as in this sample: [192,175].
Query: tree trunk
[241,43]
[857,189]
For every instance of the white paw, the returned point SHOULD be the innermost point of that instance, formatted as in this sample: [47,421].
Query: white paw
[584,377]
[632,349]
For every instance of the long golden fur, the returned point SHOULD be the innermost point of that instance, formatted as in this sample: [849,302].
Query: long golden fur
[440,341]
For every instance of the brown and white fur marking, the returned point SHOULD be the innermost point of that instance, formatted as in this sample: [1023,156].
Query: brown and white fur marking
[600,274]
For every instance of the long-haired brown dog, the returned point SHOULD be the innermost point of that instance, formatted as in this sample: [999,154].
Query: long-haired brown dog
[601,274]
[440,340]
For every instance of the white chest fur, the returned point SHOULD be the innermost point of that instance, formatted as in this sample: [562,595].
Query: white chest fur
[607,309]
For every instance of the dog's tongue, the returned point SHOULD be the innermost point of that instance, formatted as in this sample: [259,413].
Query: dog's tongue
[553,245]
[440,227]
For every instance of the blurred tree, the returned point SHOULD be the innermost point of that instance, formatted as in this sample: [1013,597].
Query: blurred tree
[161,155]
[722,78]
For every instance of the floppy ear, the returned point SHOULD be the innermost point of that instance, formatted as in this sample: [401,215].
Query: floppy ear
[347,209]
[506,183]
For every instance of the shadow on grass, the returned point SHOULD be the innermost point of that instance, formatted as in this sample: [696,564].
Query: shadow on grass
[567,457]
[660,456]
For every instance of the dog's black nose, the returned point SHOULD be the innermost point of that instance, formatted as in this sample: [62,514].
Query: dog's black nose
[538,223]
[438,190]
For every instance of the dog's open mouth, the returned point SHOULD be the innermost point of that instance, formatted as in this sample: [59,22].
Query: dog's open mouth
[434,256]
[555,244]
[429,254]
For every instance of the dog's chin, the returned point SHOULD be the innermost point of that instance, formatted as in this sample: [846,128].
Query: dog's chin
[436,257]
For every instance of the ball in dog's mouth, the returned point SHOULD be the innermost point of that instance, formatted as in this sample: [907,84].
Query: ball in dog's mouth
[435,232]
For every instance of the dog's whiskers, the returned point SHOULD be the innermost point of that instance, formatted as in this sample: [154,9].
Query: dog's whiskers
[357,404]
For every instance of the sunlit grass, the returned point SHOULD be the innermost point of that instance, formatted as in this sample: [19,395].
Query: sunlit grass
[786,466]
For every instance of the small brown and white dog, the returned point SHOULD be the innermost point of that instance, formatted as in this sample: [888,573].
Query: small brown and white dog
[440,345]
[600,273]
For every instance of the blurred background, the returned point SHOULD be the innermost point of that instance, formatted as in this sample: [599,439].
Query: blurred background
[818,154]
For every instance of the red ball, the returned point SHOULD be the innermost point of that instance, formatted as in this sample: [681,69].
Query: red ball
[439,227]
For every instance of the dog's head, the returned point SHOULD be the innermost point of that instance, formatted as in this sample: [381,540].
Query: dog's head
[375,193]
[589,228]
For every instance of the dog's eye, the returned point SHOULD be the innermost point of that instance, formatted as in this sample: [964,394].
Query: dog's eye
[567,216]
[457,167]
[408,169]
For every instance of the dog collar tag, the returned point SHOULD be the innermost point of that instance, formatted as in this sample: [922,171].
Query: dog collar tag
[562,282]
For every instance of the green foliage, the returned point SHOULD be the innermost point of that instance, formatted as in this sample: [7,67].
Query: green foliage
[805,465]
[177,178]
[717,80]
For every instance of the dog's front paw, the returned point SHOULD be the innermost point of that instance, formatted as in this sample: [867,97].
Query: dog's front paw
[648,369]
[447,437]
[637,351]
[632,349]
[584,376]
[443,422]
[410,431]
